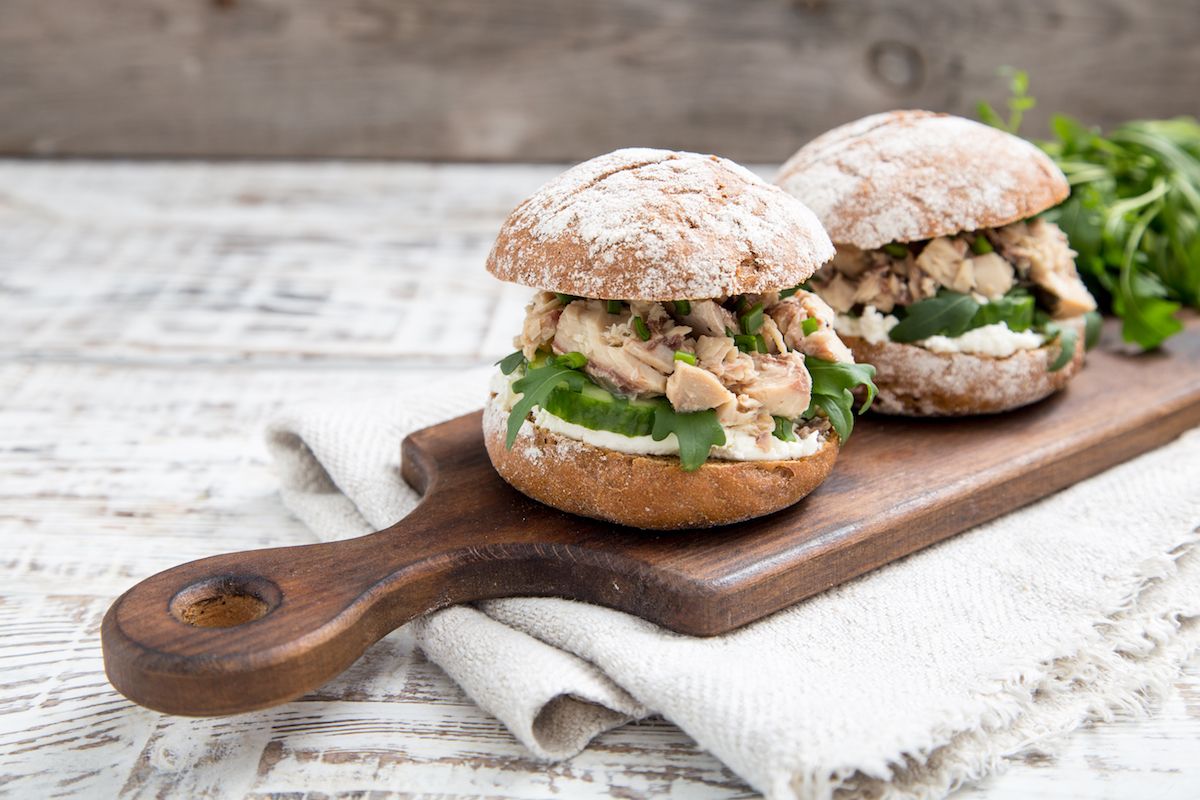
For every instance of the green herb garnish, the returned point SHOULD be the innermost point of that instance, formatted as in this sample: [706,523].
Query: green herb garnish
[536,386]
[683,307]
[810,326]
[686,358]
[948,314]
[697,433]
[785,429]
[639,326]
[832,385]
[896,250]
[1133,215]
[1092,325]
[1068,340]
[512,362]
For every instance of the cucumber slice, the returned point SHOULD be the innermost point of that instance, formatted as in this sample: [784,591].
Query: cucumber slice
[599,410]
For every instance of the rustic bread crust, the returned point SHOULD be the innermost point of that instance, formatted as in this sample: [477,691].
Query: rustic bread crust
[904,176]
[646,491]
[915,382]
[641,224]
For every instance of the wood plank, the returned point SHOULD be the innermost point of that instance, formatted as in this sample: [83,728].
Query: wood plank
[476,79]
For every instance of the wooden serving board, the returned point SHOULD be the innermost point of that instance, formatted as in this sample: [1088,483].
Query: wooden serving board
[246,630]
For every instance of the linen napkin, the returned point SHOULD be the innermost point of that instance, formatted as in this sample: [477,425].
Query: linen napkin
[906,682]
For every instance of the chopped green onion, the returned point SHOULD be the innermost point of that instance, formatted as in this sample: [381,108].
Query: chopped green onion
[640,326]
[565,299]
[981,245]
[785,429]
[752,320]
[573,360]
[686,358]
[613,306]
[745,343]
[760,343]
[683,307]
[511,362]
[786,293]
[896,250]
[810,326]
[730,333]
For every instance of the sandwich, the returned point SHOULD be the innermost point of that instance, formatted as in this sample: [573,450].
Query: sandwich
[669,373]
[945,279]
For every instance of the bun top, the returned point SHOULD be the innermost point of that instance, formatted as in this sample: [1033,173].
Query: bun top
[641,224]
[903,176]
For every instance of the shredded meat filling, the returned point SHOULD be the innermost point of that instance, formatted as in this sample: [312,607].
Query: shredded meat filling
[631,350]
[1031,253]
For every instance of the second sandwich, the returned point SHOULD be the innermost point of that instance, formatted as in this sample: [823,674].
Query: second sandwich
[944,278]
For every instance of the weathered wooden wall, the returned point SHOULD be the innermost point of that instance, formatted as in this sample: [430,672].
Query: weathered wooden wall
[557,79]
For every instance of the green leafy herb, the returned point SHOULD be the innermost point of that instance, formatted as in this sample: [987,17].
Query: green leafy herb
[981,246]
[896,250]
[697,432]
[1068,340]
[752,319]
[785,429]
[683,307]
[639,326]
[810,326]
[1133,215]
[686,358]
[948,314]
[832,385]
[512,362]
[613,306]
[535,387]
[1092,323]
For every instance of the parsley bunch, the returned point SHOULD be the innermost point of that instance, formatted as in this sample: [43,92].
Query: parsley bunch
[1133,214]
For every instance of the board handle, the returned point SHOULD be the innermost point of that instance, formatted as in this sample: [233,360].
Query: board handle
[243,631]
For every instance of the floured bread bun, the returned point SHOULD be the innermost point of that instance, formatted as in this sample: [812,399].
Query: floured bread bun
[904,176]
[917,382]
[645,491]
[640,224]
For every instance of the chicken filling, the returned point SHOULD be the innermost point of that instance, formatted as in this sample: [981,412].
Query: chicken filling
[1020,277]
[764,366]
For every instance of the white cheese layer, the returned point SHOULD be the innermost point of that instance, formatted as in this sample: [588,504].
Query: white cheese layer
[990,340]
[872,326]
[995,340]
[739,445]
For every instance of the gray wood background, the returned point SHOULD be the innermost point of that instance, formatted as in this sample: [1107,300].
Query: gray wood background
[545,80]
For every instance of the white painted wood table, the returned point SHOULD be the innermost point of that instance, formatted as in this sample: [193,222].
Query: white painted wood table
[152,317]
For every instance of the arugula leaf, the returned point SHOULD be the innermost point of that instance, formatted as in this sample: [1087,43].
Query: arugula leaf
[535,387]
[1092,322]
[511,362]
[785,429]
[832,382]
[948,314]
[1068,340]
[697,432]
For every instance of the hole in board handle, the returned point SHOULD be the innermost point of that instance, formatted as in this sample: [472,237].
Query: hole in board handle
[225,601]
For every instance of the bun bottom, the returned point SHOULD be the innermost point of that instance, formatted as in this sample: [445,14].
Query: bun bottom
[649,492]
[916,382]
